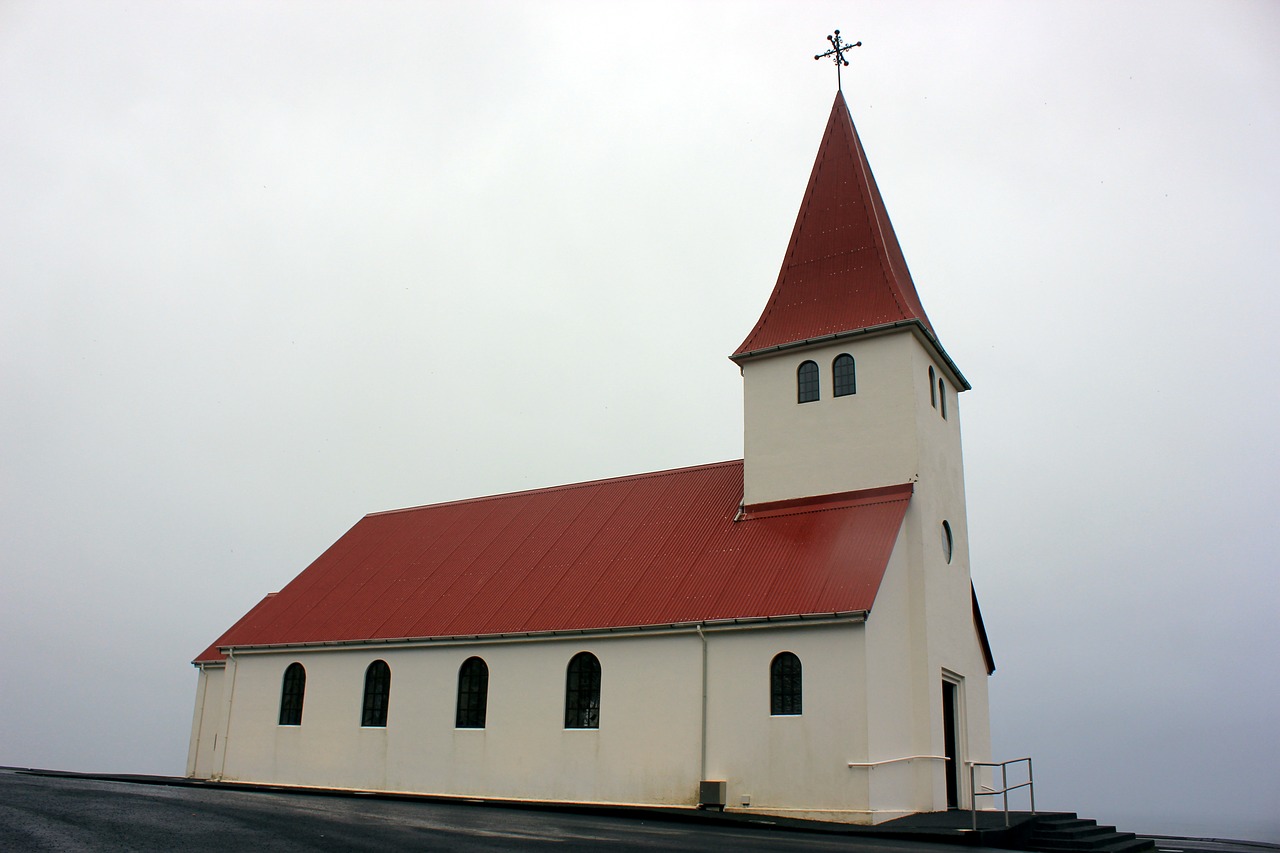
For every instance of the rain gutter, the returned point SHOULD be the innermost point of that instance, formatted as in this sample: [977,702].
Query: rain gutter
[717,625]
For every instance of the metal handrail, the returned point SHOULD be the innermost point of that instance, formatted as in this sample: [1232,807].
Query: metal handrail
[1005,787]
[896,760]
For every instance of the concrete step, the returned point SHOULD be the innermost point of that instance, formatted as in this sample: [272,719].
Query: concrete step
[1065,833]
[1084,831]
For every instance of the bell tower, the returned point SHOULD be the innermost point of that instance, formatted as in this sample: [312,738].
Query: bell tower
[847,391]
[846,386]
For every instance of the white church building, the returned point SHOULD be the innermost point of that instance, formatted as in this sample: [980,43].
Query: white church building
[797,628]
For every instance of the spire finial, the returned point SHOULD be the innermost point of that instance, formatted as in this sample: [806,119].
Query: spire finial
[837,54]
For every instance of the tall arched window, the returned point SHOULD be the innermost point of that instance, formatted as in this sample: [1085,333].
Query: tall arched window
[473,693]
[377,692]
[582,692]
[844,380]
[942,397]
[291,693]
[933,389]
[807,382]
[785,685]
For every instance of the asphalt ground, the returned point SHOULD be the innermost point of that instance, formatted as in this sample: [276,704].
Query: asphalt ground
[74,813]
[39,813]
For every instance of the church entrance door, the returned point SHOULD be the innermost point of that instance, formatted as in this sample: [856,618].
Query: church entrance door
[949,740]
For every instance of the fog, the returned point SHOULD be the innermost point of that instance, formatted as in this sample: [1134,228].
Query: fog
[265,268]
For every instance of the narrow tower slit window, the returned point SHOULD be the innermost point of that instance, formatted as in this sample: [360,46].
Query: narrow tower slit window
[473,693]
[942,397]
[785,686]
[844,378]
[582,692]
[933,389]
[807,382]
[292,692]
[377,693]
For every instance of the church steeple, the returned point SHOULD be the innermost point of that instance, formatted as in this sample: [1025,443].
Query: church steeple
[845,385]
[844,271]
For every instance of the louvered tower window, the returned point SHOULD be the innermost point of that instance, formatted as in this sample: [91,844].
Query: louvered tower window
[785,683]
[377,693]
[473,693]
[844,379]
[807,382]
[582,692]
[291,694]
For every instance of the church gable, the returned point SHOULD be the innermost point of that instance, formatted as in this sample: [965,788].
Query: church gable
[657,549]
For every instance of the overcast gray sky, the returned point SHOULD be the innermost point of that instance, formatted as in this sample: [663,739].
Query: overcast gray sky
[267,267]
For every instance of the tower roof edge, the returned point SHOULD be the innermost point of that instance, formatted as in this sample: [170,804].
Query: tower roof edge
[844,270]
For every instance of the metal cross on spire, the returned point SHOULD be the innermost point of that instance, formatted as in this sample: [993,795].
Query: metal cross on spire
[837,54]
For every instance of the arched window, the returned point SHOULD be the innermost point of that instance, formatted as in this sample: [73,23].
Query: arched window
[377,692]
[291,693]
[942,397]
[785,685]
[582,692]
[947,541]
[807,382]
[933,390]
[845,381]
[473,693]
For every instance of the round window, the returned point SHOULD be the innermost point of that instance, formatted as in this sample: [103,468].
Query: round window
[946,541]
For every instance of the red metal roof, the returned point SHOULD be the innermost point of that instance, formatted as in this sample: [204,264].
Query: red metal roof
[647,550]
[844,269]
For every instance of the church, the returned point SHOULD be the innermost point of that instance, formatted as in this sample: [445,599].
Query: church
[794,633]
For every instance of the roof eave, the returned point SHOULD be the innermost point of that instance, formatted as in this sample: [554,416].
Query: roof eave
[674,627]
[914,325]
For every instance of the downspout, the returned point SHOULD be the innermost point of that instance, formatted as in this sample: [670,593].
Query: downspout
[702,766]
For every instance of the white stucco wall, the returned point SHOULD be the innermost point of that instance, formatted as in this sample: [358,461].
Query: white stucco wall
[647,740]
[835,444]
[891,431]
[207,724]
[648,748]
[789,763]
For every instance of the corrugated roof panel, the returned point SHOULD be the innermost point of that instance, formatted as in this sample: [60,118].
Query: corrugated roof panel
[455,582]
[653,549]
[433,566]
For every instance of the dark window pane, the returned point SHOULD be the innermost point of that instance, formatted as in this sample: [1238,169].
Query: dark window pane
[582,692]
[807,382]
[473,694]
[785,685]
[843,376]
[291,694]
[377,693]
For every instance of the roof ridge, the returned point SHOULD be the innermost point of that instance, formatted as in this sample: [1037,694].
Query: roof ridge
[873,215]
[644,475]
